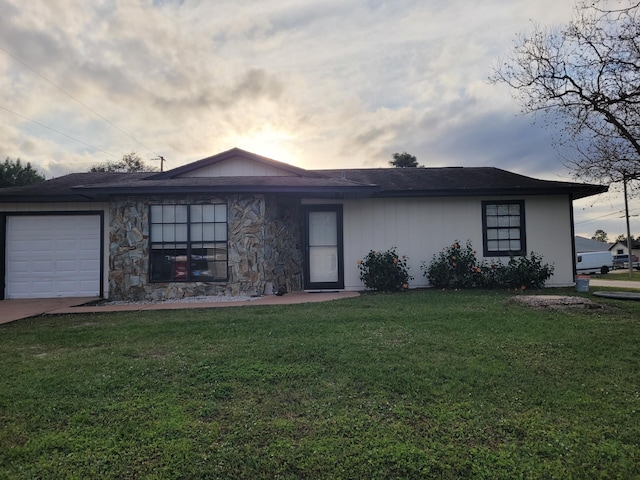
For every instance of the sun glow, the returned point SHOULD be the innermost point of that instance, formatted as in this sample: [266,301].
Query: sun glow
[268,142]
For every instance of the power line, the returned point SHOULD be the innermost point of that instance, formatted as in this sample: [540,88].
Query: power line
[57,131]
[601,217]
[78,101]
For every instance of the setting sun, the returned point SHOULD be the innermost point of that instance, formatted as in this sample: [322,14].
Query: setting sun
[272,143]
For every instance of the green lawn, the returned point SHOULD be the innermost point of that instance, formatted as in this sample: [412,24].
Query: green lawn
[619,275]
[426,384]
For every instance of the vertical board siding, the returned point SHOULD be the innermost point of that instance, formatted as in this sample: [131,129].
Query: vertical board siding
[237,167]
[421,227]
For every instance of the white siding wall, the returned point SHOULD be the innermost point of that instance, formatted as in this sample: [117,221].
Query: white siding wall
[237,167]
[421,227]
[71,207]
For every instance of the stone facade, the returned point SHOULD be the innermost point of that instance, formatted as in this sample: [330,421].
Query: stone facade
[264,248]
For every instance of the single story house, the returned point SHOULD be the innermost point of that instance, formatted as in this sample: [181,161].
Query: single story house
[621,248]
[241,224]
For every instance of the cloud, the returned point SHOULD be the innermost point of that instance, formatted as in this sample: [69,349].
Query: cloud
[317,83]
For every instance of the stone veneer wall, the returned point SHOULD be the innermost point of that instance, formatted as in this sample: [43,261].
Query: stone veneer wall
[264,240]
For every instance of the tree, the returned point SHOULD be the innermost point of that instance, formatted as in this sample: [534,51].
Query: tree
[14,174]
[600,236]
[623,239]
[131,162]
[586,76]
[403,160]
[585,79]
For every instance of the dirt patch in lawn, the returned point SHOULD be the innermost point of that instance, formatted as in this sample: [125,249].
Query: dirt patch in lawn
[554,301]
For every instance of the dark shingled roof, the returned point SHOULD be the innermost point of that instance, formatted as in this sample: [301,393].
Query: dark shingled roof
[457,181]
[61,189]
[348,183]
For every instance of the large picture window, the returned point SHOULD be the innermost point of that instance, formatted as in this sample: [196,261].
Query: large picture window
[188,243]
[503,228]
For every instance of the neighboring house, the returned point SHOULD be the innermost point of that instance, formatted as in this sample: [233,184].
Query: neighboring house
[239,223]
[589,245]
[621,248]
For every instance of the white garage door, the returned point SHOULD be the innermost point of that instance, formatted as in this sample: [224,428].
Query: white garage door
[53,256]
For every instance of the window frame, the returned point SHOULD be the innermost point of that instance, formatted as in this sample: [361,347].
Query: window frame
[192,248]
[522,229]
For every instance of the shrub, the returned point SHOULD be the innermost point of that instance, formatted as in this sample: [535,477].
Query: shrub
[385,271]
[454,267]
[458,267]
[527,272]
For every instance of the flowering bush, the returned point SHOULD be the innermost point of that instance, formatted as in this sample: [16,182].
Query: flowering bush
[458,267]
[454,267]
[385,271]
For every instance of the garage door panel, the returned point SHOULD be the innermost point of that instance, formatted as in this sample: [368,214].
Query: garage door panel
[53,256]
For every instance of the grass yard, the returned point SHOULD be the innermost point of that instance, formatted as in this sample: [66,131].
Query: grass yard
[619,275]
[413,385]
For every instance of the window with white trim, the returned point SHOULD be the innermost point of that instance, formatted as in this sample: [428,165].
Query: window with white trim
[503,228]
[188,243]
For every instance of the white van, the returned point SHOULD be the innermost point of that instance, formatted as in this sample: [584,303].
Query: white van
[594,262]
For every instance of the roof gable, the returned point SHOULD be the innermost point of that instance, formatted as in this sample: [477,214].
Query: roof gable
[235,163]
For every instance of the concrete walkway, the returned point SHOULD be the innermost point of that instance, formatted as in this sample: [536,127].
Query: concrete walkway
[11,310]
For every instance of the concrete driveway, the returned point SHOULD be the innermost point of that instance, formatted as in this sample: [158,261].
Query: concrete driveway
[11,310]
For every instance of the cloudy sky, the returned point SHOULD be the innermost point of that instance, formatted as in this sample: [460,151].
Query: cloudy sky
[315,83]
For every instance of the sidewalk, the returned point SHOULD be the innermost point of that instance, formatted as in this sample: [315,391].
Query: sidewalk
[11,310]
[596,282]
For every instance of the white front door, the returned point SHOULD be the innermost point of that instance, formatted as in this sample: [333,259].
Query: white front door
[52,256]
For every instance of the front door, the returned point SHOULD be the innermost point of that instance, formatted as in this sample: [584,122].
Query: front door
[323,247]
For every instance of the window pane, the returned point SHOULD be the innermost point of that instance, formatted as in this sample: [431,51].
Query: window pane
[503,245]
[208,232]
[208,213]
[503,233]
[196,232]
[503,221]
[221,212]
[514,233]
[323,264]
[156,232]
[196,213]
[220,232]
[168,233]
[492,221]
[503,209]
[181,233]
[323,229]
[492,245]
[181,214]
[514,209]
[156,213]
[514,221]
[492,234]
[514,245]
[168,214]
[491,209]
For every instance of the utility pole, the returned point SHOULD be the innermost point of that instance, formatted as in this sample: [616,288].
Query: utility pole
[625,179]
[161,158]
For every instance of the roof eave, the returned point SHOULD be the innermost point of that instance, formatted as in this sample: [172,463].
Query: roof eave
[576,193]
[47,198]
[349,190]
